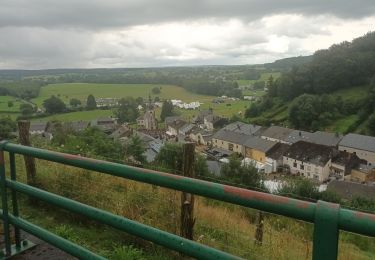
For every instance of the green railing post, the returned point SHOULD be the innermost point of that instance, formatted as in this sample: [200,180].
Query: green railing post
[17,233]
[4,202]
[326,231]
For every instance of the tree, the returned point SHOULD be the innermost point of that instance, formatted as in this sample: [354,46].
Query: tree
[91,102]
[136,149]
[237,173]
[300,188]
[75,102]
[54,105]
[10,103]
[252,111]
[371,124]
[7,126]
[166,110]
[170,157]
[127,110]
[156,90]
[26,109]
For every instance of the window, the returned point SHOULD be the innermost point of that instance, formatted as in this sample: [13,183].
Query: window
[302,167]
[230,147]
[295,165]
[215,141]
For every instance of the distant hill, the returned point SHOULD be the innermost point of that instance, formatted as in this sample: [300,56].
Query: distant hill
[288,63]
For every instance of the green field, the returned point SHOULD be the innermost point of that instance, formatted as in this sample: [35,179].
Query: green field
[76,116]
[263,77]
[66,91]
[354,93]
[342,125]
[4,104]
[81,90]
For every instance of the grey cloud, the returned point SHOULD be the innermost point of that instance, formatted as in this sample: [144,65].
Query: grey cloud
[96,14]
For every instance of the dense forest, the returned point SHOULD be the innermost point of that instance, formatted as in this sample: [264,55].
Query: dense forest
[310,90]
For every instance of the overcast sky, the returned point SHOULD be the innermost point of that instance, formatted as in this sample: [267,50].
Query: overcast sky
[37,34]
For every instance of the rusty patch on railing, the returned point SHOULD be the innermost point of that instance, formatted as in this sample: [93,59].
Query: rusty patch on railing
[77,157]
[255,195]
[359,214]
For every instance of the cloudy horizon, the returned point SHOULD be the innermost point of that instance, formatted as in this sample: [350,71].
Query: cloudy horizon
[39,34]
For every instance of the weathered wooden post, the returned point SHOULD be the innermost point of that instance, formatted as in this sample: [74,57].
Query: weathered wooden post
[259,229]
[187,199]
[24,136]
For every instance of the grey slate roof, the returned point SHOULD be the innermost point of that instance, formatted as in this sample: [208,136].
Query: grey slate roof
[308,152]
[277,132]
[259,144]
[349,190]
[237,132]
[230,136]
[277,151]
[186,128]
[297,135]
[362,142]
[38,126]
[319,137]
[176,124]
[239,127]
[325,138]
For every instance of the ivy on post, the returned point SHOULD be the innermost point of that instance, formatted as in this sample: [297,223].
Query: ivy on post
[187,199]
[24,138]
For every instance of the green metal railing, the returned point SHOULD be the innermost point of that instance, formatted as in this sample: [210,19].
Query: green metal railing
[328,218]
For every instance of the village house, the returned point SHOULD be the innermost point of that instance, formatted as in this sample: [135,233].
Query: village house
[212,122]
[199,118]
[274,157]
[105,124]
[255,149]
[173,126]
[201,136]
[148,120]
[309,160]
[342,164]
[122,132]
[233,136]
[186,129]
[363,146]
[363,173]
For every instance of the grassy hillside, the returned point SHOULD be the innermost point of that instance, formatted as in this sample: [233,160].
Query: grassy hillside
[278,113]
[76,116]
[221,225]
[66,91]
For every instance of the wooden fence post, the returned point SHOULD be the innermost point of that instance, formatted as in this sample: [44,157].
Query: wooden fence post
[24,136]
[187,199]
[259,229]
